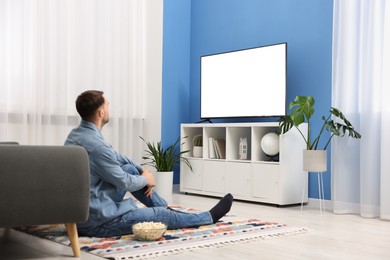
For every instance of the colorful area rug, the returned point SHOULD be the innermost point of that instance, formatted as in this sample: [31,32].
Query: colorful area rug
[230,230]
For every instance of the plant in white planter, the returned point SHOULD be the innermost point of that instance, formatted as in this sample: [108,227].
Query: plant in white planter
[302,110]
[197,150]
[163,160]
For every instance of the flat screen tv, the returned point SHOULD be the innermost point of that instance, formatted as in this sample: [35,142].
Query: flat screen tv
[244,83]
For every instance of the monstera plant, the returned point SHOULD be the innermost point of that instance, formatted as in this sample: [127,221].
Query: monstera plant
[302,109]
[314,158]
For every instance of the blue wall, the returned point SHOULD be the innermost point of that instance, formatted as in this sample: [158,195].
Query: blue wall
[176,71]
[196,28]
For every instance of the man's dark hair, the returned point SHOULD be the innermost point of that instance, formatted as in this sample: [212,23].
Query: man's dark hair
[88,102]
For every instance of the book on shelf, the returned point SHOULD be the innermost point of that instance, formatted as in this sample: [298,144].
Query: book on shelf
[212,154]
[217,156]
[220,144]
[217,148]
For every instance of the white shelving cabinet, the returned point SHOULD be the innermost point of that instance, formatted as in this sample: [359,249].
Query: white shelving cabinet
[257,178]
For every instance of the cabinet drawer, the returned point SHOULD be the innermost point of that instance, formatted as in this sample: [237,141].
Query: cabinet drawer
[238,178]
[214,176]
[265,183]
[193,179]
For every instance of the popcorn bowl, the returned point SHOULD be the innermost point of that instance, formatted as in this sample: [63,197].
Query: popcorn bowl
[149,230]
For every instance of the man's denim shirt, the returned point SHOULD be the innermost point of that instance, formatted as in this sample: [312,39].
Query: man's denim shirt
[108,181]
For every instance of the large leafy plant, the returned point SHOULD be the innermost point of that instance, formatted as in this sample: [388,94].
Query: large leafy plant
[164,159]
[302,109]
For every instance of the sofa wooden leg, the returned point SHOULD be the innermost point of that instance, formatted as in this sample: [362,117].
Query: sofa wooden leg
[71,229]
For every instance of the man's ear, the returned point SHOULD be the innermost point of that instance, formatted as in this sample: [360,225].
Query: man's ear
[101,112]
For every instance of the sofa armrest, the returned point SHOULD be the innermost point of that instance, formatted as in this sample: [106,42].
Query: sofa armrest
[43,185]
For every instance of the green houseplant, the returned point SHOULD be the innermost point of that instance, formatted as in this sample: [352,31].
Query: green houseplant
[197,140]
[197,149]
[302,109]
[164,159]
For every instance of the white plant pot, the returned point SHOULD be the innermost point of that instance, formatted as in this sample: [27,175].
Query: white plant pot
[314,160]
[164,184]
[197,151]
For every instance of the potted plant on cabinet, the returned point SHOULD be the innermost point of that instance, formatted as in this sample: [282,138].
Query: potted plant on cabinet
[197,150]
[314,158]
[163,160]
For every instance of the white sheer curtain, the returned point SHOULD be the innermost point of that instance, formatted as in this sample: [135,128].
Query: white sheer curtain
[361,89]
[52,50]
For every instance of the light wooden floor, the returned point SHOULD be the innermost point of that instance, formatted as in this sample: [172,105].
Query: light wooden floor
[332,237]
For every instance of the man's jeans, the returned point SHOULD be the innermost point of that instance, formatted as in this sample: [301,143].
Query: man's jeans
[156,210]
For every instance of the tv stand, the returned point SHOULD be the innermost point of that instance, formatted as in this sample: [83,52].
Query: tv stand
[280,181]
[204,120]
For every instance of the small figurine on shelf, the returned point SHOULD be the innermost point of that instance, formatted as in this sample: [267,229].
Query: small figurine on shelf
[243,148]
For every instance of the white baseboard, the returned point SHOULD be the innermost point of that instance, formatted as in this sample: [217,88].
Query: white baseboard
[315,203]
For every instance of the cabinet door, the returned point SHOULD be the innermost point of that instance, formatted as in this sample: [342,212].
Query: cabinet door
[238,178]
[193,179]
[266,182]
[214,176]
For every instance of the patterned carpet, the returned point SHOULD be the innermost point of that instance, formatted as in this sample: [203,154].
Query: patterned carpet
[229,231]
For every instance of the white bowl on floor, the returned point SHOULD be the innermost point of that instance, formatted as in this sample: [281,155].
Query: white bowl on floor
[149,230]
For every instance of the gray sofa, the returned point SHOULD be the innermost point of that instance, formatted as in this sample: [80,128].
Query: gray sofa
[44,185]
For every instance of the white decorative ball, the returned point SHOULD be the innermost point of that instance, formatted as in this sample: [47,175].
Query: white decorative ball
[270,144]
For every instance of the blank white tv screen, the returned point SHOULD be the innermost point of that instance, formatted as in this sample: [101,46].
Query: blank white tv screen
[244,83]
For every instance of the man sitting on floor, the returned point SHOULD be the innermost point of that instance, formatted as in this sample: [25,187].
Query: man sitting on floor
[113,174]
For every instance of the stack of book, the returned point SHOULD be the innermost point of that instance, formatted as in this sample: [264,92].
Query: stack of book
[217,148]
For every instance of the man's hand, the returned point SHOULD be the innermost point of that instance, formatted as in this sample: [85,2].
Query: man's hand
[149,191]
[150,182]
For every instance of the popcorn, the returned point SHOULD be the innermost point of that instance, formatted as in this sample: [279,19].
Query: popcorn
[149,230]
